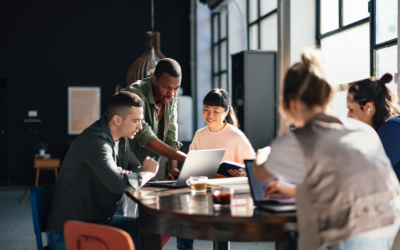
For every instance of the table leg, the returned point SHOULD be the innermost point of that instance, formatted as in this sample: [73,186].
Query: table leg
[149,241]
[56,173]
[289,243]
[221,245]
[37,177]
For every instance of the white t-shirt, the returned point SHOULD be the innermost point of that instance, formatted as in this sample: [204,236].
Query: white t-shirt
[116,146]
[286,160]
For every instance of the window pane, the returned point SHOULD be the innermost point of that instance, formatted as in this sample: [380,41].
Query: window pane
[216,61]
[386,20]
[386,61]
[223,55]
[223,23]
[346,55]
[253,15]
[224,82]
[215,23]
[267,6]
[216,82]
[253,36]
[329,15]
[355,10]
[269,33]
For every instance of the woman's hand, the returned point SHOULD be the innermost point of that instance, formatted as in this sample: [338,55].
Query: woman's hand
[236,173]
[220,176]
[279,189]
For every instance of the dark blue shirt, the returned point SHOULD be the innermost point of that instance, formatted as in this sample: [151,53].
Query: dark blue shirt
[389,132]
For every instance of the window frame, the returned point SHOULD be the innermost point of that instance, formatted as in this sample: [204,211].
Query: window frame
[257,21]
[217,45]
[372,24]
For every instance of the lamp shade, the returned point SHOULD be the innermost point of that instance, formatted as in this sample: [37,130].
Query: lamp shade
[144,66]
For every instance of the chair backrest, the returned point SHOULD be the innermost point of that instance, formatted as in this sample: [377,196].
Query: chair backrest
[88,236]
[41,198]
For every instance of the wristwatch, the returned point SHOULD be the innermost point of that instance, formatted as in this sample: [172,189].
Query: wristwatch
[173,170]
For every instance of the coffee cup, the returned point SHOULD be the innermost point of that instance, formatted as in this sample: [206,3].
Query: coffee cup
[198,184]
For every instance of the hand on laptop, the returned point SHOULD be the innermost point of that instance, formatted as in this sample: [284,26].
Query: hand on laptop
[173,173]
[279,189]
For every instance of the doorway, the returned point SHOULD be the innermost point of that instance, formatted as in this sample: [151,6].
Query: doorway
[3,131]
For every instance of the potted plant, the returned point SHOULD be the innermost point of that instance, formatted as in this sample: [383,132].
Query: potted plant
[42,146]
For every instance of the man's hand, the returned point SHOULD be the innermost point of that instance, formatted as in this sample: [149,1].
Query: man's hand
[150,165]
[279,189]
[174,173]
[124,171]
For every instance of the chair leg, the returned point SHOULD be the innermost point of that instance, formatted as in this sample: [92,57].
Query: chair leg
[56,173]
[37,177]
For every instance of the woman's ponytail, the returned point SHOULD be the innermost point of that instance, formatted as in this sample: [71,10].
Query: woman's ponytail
[231,117]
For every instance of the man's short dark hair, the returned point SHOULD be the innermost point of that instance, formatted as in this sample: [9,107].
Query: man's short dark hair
[119,103]
[168,65]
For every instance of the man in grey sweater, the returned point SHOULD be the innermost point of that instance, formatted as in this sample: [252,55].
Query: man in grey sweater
[98,168]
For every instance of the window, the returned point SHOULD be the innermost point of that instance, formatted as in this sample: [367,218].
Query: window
[262,19]
[219,36]
[358,38]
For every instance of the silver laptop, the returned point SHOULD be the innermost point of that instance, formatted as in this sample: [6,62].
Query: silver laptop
[257,192]
[197,163]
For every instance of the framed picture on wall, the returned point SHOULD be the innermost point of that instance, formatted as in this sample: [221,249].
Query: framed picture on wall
[83,108]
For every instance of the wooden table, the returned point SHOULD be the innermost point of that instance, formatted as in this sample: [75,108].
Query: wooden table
[41,163]
[175,212]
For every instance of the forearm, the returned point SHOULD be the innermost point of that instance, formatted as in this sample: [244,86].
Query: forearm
[172,164]
[163,149]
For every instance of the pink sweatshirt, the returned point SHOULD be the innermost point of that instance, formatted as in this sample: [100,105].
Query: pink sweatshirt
[238,147]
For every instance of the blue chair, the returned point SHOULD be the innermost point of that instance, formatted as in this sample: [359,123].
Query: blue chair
[40,201]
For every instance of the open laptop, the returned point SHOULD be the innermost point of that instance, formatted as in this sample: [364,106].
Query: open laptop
[197,163]
[257,193]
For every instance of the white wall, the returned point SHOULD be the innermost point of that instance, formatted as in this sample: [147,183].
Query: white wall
[302,27]
[203,66]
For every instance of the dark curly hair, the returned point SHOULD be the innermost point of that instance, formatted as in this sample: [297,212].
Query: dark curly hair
[374,90]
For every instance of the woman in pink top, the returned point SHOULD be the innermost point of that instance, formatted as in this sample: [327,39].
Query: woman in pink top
[222,130]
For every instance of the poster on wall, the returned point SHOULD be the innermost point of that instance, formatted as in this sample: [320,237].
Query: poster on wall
[83,108]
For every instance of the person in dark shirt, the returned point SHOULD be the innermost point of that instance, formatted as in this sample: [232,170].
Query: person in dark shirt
[98,168]
[370,101]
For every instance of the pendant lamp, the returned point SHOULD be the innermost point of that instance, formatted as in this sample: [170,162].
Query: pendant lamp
[145,65]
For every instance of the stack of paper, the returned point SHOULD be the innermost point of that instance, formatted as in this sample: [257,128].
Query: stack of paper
[239,184]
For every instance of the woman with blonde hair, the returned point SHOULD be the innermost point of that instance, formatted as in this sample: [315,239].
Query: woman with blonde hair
[331,161]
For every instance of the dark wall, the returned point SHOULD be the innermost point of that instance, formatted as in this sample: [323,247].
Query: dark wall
[46,46]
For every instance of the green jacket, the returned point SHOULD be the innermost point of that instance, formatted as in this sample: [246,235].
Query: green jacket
[144,89]
[90,185]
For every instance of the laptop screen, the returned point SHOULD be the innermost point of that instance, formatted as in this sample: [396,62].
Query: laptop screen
[257,188]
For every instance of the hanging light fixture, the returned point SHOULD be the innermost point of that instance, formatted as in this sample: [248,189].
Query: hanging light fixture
[145,65]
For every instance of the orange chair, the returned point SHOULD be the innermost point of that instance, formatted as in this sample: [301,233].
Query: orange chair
[88,236]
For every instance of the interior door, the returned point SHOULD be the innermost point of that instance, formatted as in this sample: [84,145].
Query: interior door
[3,131]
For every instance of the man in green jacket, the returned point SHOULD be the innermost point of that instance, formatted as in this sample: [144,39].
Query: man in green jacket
[98,168]
[159,136]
